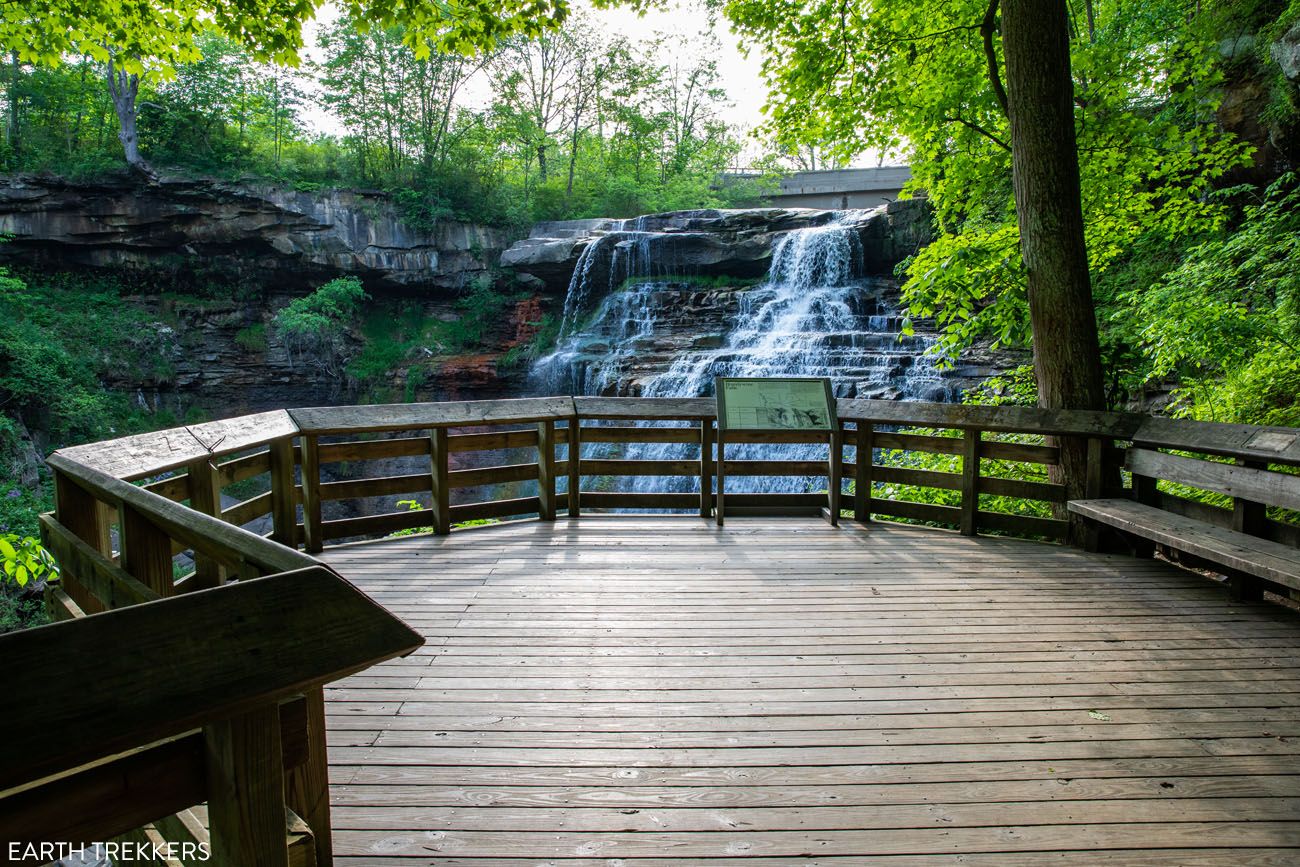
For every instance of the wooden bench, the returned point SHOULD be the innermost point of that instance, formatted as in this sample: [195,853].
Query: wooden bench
[1240,551]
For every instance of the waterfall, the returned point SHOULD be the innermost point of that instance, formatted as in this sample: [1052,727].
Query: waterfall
[815,314]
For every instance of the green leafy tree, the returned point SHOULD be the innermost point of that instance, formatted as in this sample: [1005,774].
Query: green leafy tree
[315,327]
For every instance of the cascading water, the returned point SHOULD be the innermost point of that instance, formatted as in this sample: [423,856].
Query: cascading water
[815,314]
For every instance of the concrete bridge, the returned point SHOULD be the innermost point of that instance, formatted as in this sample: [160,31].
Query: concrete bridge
[842,188]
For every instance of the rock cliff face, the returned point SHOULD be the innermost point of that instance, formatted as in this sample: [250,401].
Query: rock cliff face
[295,239]
[708,243]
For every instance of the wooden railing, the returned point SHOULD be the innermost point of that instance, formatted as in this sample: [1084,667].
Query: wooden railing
[308,461]
[117,724]
[131,511]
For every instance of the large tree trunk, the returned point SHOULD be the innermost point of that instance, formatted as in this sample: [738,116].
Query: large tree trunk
[1045,172]
[123,88]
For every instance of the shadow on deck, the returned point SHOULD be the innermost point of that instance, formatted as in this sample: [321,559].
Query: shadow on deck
[781,691]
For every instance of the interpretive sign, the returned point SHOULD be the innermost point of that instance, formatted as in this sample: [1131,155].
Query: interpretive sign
[775,404]
[749,409]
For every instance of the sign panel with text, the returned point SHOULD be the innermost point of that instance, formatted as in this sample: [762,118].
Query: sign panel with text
[775,404]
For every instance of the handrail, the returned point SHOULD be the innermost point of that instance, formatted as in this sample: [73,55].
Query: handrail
[144,455]
[149,454]
[1277,445]
[143,677]
[406,416]
[147,672]
[666,408]
[998,419]
[203,533]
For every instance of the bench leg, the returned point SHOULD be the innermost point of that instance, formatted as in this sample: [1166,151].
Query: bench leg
[1142,548]
[1092,538]
[1245,588]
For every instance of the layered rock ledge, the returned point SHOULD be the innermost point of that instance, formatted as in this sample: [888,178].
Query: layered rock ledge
[295,238]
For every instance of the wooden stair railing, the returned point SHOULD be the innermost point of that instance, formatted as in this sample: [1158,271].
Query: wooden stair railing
[134,715]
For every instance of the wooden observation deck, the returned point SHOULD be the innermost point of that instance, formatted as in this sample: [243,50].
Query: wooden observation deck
[651,689]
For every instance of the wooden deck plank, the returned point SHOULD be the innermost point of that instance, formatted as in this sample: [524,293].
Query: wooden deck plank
[662,690]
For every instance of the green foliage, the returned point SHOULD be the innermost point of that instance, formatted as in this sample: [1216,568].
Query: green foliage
[20,610]
[252,338]
[579,124]
[23,560]
[315,327]
[480,307]
[398,333]
[913,76]
[1226,321]
[542,342]
[417,506]
[20,506]
[154,36]
[63,335]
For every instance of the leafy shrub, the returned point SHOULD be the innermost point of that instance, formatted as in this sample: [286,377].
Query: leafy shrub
[417,506]
[62,336]
[23,559]
[315,327]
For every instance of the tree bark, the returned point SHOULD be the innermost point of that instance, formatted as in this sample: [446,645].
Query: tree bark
[123,88]
[1045,175]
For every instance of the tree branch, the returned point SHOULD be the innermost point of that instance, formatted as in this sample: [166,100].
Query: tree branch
[987,28]
[981,130]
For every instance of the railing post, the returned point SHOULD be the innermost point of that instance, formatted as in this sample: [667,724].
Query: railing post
[1093,489]
[970,481]
[246,812]
[312,523]
[1248,517]
[307,787]
[284,501]
[83,516]
[440,488]
[720,511]
[205,497]
[1093,483]
[864,439]
[575,467]
[546,469]
[836,477]
[146,551]
[706,467]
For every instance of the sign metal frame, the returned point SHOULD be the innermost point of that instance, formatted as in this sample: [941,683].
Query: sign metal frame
[831,428]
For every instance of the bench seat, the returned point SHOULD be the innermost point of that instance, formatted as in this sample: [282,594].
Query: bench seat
[1239,552]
